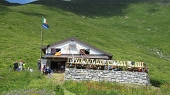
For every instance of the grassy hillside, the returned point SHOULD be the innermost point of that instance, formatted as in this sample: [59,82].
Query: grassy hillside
[130,30]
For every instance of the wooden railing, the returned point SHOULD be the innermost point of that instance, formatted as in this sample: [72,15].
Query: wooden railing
[106,64]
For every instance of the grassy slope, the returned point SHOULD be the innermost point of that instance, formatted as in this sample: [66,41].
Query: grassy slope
[134,31]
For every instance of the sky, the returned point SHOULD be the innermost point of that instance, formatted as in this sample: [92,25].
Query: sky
[20,1]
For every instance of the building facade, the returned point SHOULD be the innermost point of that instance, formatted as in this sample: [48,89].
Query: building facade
[57,54]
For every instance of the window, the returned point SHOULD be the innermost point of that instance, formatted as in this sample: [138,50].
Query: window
[58,49]
[87,51]
[84,51]
[54,50]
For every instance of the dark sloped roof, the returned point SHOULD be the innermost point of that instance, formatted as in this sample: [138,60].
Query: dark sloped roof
[76,56]
[75,39]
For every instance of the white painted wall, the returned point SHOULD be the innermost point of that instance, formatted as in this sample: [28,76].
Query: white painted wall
[72,48]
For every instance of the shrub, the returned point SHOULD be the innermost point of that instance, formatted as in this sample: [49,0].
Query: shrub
[59,90]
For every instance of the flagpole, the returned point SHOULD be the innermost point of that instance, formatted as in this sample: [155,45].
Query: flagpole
[44,24]
[41,47]
[41,43]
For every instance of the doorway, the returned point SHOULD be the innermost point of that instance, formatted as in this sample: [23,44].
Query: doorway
[58,66]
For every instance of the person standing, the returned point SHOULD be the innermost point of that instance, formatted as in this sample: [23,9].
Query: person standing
[20,65]
[23,66]
[44,70]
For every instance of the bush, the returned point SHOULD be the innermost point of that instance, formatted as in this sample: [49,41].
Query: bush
[59,90]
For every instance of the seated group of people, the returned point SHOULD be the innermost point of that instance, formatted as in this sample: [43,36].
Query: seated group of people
[46,70]
[19,66]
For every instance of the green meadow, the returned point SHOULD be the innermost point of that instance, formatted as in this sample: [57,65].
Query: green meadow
[133,30]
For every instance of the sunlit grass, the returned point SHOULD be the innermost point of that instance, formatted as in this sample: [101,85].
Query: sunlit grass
[108,88]
[138,31]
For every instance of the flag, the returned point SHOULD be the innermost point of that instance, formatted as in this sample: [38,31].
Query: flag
[46,26]
[44,23]
[44,20]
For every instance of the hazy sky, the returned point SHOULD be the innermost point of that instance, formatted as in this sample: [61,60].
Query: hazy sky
[20,1]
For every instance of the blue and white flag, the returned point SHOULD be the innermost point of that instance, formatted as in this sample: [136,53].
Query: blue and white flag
[44,23]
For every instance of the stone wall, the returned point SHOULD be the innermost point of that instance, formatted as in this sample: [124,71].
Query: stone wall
[107,75]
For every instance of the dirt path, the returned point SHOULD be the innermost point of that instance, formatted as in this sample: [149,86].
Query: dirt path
[58,78]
